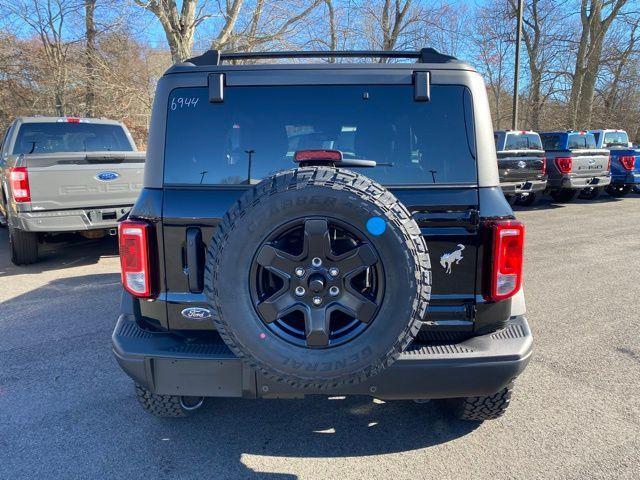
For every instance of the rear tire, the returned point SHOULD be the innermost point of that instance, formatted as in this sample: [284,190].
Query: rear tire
[479,409]
[618,191]
[24,246]
[167,406]
[563,196]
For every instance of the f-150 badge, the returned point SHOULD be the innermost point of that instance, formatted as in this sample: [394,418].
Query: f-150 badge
[448,259]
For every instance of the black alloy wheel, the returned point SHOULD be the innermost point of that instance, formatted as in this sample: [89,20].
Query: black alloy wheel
[317,283]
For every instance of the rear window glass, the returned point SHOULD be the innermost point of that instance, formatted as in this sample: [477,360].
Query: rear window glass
[523,141]
[256,131]
[616,139]
[581,141]
[70,137]
[551,141]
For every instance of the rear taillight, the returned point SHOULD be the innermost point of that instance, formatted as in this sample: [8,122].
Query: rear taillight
[628,162]
[504,266]
[609,164]
[564,164]
[134,257]
[544,166]
[19,181]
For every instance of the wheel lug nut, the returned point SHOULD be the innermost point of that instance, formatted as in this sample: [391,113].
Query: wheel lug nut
[300,272]
[333,271]
[317,300]
[333,291]
[316,262]
[300,291]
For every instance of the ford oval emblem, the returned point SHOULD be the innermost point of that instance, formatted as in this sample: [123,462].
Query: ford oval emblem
[196,313]
[107,176]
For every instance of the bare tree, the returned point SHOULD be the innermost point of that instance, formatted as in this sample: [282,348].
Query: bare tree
[494,45]
[269,22]
[594,28]
[48,20]
[180,25]
[544,38]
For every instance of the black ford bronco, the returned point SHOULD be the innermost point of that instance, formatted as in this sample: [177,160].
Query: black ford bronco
[322,228]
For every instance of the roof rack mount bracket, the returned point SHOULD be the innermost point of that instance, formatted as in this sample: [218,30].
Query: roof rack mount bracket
[422,86]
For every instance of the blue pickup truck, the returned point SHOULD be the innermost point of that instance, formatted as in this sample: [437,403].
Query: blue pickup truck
[625,161]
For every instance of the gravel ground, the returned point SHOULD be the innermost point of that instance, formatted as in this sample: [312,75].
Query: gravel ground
[67,411]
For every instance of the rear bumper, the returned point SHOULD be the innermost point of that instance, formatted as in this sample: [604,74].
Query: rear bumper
[70,220]
[517,188]
[572,182]
[168,364]
[630,178]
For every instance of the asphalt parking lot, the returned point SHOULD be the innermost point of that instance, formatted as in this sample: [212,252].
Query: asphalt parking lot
[67,410]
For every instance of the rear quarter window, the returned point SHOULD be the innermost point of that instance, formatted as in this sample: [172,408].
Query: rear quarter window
[256,131]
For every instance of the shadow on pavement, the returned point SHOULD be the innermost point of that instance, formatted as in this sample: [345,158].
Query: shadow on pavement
[63,251]
[57,374]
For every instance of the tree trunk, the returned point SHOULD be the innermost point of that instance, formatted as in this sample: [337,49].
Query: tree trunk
[585,105]
[579,70]
[90,53]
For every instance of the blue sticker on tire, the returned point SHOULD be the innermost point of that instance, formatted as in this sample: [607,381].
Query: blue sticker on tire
[376,226]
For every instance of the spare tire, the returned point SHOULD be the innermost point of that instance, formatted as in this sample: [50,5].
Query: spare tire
[318,277]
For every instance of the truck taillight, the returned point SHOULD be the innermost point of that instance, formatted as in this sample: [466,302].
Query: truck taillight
[134,257]
[628,162]
[564,164]
[544,167]
[19,181]
[609,164]
[505,250]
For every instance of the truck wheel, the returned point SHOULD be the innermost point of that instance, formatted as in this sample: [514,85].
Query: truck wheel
[590,193]
[563,196]
[482,408]
[24,246]
[318,277]
[618,190]
[167,406]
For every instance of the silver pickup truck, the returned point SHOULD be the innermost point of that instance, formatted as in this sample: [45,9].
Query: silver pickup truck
[65,175]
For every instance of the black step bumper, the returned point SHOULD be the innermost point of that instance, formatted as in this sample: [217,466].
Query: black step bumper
[168,364]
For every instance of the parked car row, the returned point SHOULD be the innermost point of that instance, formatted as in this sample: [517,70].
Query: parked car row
[566,164]
[83,175]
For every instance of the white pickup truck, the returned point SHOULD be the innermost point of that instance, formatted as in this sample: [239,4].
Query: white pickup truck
[65,174]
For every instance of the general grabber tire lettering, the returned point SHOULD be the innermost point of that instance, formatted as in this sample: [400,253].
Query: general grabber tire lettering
[325,235]
[483,408]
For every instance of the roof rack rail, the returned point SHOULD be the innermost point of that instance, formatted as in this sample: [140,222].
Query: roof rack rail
[424,55]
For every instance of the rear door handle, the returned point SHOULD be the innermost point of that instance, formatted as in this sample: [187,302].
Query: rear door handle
[195,260]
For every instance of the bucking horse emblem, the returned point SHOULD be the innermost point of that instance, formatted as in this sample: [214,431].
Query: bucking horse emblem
[449,259]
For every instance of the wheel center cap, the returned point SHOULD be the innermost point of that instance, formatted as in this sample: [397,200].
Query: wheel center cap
[316,283]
